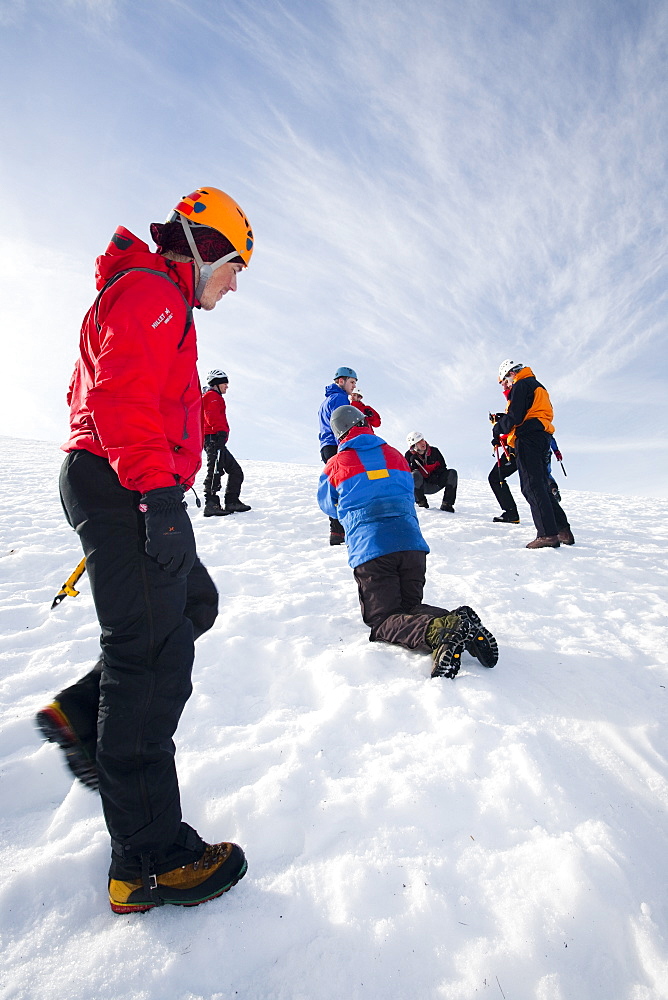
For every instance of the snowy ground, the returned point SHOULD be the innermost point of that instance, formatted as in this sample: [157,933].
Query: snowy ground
[499,835]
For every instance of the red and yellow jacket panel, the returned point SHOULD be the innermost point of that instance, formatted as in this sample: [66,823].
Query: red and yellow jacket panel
[367,485]
[134,396]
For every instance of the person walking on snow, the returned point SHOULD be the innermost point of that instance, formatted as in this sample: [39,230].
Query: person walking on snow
[430,473]
[219,459]
[135,447]
[528,425]
[336,394]
[367,484]
[356,400]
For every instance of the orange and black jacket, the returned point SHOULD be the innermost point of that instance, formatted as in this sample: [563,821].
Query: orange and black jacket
[529,409]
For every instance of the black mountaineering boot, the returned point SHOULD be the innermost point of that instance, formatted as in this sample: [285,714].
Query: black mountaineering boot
[447,637]
[212,507]
[236,506]
[508,517]
[480,643]
[56,727]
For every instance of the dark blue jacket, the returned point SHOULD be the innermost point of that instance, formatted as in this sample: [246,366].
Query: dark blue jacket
[368,486]
[334,397]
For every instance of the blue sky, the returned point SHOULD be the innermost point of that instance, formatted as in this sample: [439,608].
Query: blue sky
[433,188]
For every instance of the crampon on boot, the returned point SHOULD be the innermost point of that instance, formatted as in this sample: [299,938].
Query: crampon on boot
[480,643]
[447,637]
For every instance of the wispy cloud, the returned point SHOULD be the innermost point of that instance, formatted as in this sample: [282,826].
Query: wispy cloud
[429,194]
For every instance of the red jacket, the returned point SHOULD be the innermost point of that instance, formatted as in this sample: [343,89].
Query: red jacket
[215,416]
[134,395]
[372,416]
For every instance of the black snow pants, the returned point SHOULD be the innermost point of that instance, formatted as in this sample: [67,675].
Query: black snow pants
[326,453]
[390,592]
[532,450]
[442,479]
[219,460]
[507,466]
[148,621]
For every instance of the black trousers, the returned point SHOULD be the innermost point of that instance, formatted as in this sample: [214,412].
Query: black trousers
[148,621]
[502,470]
[220,460]
[532,451]
[497,480]
[390,592]
[441,479]
[326,453]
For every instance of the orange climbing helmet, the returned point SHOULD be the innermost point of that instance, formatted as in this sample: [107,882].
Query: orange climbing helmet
[209,206]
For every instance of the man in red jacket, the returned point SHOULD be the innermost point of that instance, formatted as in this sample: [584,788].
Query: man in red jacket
[357,400]
[135,447]
[219,459]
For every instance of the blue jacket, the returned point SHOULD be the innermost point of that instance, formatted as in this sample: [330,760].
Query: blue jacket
[368,486]
[334,397]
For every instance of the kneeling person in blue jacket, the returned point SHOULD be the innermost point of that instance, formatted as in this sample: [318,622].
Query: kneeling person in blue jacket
[368,486]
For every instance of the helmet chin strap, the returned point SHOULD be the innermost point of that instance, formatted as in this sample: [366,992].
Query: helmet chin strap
[205,270]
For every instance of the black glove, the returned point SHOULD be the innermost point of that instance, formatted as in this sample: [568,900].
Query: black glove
[368,412]
[170,539]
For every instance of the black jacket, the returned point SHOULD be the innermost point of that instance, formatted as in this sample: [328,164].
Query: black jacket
[431,457]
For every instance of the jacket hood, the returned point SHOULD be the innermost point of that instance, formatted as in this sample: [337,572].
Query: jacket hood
[362,440]
[125,250]
[332,389]
[524,373]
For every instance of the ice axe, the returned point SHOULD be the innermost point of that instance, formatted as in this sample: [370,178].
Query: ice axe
[559,458]
[67,589]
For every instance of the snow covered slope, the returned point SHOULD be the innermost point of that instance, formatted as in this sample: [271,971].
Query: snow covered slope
[499,835]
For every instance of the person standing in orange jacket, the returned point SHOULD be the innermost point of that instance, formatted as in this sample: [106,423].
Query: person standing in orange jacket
[528,426]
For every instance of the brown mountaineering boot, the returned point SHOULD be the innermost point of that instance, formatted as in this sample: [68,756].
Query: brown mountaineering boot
[565,536]
[544,542]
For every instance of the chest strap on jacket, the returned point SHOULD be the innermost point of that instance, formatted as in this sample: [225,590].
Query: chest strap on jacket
[147,270]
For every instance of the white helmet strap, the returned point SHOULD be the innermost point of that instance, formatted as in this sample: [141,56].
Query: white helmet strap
[205,270]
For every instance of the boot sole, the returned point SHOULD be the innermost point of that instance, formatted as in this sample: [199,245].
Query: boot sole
[481,644]
[145,907]
[448,664]
[55,727]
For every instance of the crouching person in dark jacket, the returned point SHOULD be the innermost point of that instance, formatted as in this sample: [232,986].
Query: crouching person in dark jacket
[369,487]
[430,473]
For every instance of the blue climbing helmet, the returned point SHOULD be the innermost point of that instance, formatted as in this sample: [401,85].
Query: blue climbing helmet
[344,372]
